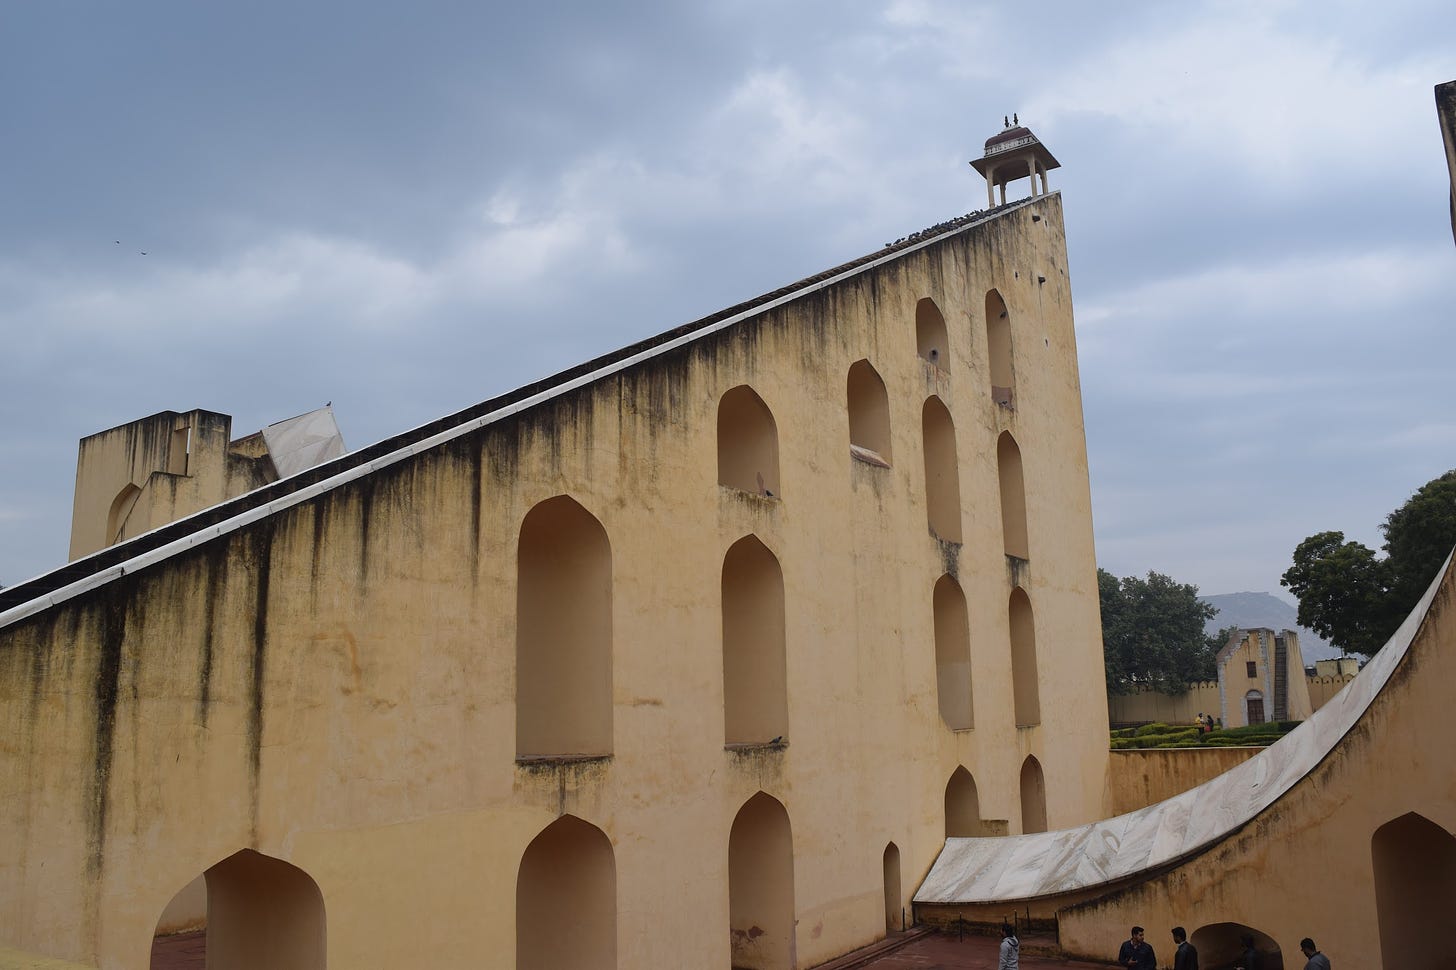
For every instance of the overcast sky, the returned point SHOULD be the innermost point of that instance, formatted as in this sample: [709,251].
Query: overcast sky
[407,208]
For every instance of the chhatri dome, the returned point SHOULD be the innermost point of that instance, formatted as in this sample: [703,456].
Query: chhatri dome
[1011,154]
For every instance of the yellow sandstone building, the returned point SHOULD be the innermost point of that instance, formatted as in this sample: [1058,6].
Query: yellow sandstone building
[688,657]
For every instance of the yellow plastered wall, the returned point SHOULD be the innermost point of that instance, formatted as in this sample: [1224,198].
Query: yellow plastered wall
[335,686]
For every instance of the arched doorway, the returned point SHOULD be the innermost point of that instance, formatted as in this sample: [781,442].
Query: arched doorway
[1222,945]
[755,691]
[1033,797]
[894,907]
[1415,892]
[258,911]
[566,899]
[761,886]
[1254,707]
[962,806]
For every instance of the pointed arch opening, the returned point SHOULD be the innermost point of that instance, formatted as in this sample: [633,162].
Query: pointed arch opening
[931,339]
[755,691]
[942,471]
[566,899]
[953,655]
[1415,891]
[1025,689]
[1226,945]
[869,415]
[894,905]
[962,806]
[998,350]
[761,886]
[748,443]
[1013,497]
[563,633]
[120,510]
[255,911]
[1033,797]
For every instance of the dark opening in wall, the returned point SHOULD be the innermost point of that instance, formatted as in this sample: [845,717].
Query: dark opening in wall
[962,806]
[748,443]
[869,414]
[1415,887]
[931,340]
[998,350]
[1033,797]
[1013,497]
[761,886]
[566,899]
[1025,689]
[755,695]
[563,633]
[942,471]
[953,655]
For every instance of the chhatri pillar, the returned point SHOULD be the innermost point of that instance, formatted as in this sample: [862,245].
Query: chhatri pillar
[1012,154]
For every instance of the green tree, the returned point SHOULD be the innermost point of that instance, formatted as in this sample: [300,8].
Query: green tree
[1355,599]
[1152,633]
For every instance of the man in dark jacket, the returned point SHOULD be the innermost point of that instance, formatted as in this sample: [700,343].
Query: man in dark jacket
[1136,953]
[1185,957]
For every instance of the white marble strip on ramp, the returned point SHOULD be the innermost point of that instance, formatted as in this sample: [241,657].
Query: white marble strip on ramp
[1007,868]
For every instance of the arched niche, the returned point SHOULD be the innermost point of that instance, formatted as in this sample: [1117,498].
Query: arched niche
[1013,497]
[998,350]
[942,471]
[1222,945]
[259,912]
[962,806]
[755,692]
[566,899]
[953,655]
[748,443]
[1033,797]
[1415,892]
[869,414]
[931,340]
[121,507]
[1025,689]
[563,633]
[761,886]
[894,905]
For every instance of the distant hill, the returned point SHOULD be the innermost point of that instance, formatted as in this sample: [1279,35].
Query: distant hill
[1248,610]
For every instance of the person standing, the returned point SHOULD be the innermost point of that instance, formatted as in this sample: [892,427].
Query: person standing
[1136,953]
[1317,960]
[1186,956]
[1249,958]
[1010,949]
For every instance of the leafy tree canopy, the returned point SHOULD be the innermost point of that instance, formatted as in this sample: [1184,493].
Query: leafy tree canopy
[1355,599]
[1152,633]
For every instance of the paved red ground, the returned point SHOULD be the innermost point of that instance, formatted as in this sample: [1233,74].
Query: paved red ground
[185,952]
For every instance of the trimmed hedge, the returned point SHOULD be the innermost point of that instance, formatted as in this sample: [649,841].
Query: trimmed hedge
[1160,735]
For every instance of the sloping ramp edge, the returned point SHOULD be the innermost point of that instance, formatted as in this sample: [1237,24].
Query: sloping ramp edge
[1005,869]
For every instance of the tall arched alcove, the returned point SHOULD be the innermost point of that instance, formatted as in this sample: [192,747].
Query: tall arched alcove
[931,341]
[761,886]
[1415,892]
[1033,797]
[566,899]
[942,471]
[748,443]
[962,805]
[998,349]
[263,912]
[894,912]
[563,633]
[755,692]
[869,410]
[1013,497]
[953,655]
[1026,692]
[1221,945]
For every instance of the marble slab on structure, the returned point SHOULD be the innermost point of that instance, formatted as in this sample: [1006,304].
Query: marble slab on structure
[1010,868]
